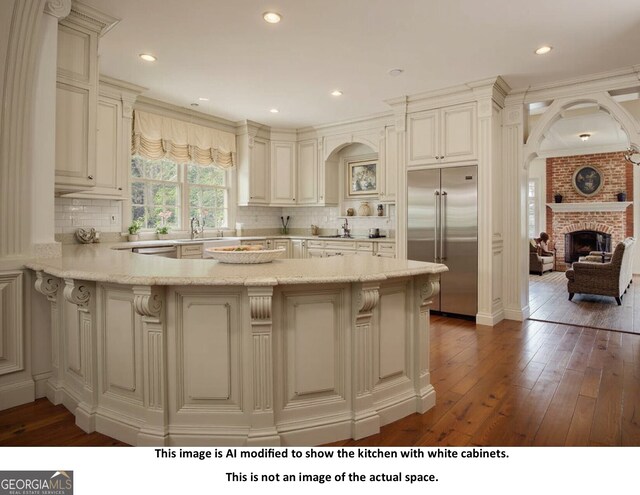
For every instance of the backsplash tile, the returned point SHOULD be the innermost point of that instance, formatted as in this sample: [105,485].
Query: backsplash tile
[72,214]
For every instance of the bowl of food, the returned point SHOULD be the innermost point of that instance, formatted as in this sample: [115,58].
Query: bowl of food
[244,254]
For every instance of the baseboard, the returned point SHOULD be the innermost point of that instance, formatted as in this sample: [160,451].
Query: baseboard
[517,314]
[490,319]
[16,394]
[41,384]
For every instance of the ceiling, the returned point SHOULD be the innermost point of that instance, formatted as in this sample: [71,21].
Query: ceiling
[223,50]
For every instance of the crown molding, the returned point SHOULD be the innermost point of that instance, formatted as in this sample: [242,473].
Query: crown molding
[92,18]
[625,78]
[120,85]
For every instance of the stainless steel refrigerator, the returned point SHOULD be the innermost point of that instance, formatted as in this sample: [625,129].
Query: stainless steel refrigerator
[443,228]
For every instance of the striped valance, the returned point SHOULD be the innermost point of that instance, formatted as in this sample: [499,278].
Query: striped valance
[155,136]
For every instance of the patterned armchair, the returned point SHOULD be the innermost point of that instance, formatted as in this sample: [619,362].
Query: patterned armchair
[538,263]
[604,279]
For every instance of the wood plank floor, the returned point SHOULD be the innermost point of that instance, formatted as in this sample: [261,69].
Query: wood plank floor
[527,384]
[548,301]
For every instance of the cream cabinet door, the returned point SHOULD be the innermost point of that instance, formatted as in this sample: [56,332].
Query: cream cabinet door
[307,172]
[109,146]
[283,173]
[389,171]
[259,172]
[424,137]
[298,248]
[458,142]
[282,243]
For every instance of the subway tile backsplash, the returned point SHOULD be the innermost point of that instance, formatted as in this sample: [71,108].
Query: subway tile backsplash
[104,215]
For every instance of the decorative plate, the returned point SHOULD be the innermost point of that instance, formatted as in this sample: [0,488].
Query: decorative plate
[588,180]
[231,254]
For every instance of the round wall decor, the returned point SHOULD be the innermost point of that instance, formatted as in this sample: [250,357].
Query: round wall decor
[588,180]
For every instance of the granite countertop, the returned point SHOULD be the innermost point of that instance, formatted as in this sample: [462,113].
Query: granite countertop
[100,263]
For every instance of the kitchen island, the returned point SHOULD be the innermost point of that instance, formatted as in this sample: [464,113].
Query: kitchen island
[159,351]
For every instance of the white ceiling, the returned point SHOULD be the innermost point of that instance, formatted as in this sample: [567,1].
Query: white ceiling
[223,50]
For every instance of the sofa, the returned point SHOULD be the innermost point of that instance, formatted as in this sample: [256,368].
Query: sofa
[539,263]
[604,279]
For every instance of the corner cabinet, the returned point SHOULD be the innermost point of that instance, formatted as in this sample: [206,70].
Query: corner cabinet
[443,135]
[283,173]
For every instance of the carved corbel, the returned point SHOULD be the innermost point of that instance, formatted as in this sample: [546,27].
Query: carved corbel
[47,285]
[429,289]
[260,299]
[77,293]
[58,8]
[147,301]
[368,298]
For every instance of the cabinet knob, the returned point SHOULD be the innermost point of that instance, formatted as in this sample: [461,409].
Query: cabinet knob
[90,177]
[119,189]
[441,157]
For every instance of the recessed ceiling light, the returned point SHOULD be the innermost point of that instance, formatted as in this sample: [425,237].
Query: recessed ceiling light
[544,49]
[336,92]
[272,17]
[274,110]
[585,136]
[148,57]
[203,99]
[395,72]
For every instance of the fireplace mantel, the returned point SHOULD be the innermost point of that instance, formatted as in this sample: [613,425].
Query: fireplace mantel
[589,206]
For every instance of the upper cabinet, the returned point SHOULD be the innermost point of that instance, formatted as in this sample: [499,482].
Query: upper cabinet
[388,180]
[443,135]
[307,172]
[253,167]
[76,104]
[283,173]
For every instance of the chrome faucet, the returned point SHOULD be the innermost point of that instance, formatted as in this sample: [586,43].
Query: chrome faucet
[346,231]
[197,228]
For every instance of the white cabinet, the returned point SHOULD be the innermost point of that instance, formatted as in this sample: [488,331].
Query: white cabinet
[110,165]
[282,243]
[443,135]
[388,175]
[307,172]
[298,248]
[253,170]
[283,173]
[76,105]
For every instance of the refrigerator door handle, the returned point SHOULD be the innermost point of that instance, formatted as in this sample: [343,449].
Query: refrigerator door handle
[443,214]
[436,196]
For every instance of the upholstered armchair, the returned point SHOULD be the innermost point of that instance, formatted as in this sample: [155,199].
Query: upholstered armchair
[604,279]
[539,263]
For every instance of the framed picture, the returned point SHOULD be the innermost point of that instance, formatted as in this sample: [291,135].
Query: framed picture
[588,180]
[362,178]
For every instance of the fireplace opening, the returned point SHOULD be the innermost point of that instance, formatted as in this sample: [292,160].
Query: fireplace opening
[582,242]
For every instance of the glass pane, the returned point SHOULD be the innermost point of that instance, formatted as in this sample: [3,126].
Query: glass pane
[219,197]
[153,219]
[219,177]
[195,197]
[169,171]
[173,219]
[136,167]
[192,173]
[137,193]
[137,213]
[152,169]
[170,195]
[208,198]
[157,194]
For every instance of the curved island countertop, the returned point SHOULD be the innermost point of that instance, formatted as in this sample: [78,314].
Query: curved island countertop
[100,263]
[160,351]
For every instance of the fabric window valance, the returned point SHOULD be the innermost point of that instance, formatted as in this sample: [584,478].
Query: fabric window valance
[155,136]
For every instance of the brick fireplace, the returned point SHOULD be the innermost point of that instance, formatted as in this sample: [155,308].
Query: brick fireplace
[576,214]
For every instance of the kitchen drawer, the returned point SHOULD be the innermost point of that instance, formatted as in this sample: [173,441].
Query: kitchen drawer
[192,250]
[386,247]
[315,244]
[364,246]
[340,245]
[254,243]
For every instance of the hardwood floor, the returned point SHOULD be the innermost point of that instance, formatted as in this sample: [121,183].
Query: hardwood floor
[548,301]
[530,383]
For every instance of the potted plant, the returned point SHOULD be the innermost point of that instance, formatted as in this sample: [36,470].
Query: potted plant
[163,232]
[134,229]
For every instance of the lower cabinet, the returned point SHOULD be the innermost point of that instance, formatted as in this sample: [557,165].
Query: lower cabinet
[282,243]
[192,252]
[298,248]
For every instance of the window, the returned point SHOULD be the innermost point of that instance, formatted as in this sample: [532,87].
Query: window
[532,207]
[164,192]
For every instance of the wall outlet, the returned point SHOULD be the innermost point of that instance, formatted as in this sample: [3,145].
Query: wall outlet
[113,219]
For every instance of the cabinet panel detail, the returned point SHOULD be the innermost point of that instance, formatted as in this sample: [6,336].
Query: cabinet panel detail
[392,326]
[11,329]
[121,347]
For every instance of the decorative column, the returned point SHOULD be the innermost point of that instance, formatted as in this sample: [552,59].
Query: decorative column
[149,303]
[49,286]
[44,120]
[490,99]
[399,106]
[263,430]
[426,290]
[80,294]
[366,420]
[516,258]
